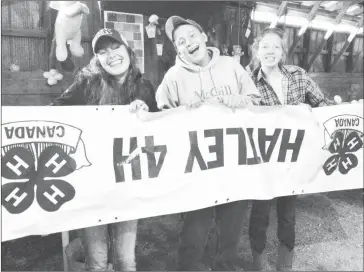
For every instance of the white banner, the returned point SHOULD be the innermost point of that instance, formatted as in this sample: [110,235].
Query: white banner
[65,167]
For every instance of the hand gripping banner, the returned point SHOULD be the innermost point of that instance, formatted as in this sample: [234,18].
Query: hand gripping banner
[67,168]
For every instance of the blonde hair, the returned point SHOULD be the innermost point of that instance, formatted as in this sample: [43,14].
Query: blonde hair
[255,62]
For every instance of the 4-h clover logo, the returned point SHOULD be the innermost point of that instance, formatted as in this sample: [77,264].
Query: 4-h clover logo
[346,134]
[36,170]
[40,180]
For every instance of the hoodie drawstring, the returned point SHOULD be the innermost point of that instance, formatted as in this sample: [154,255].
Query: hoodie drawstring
[201,89]
[213,83]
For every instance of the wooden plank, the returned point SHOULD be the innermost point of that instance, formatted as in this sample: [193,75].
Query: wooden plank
[44,23]
[350,58]
[28,99]
[328,58]
[34,33]
[348,85]
[294,9]
[27,33]
[27,83]
[34,86]
[10,40]
[10,2]
[306,49]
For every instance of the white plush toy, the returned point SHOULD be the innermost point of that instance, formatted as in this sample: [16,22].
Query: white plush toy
[53,76]
[68,27]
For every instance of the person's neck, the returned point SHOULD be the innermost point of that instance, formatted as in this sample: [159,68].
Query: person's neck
[121,78]
[271,71]
[206,59]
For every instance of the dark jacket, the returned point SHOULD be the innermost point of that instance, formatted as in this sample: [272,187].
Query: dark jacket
[76,94]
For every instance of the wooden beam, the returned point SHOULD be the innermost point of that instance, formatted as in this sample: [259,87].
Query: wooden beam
[338,56]
[350,58]
[328,34]
[346,45]
[310,17]
[5,3]
[294,9]
[43,23]
[33,33]
[27,33]
[281,10]
[306,49]
[328,58]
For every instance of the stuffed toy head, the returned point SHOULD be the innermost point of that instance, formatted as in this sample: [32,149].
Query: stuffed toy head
[68,27]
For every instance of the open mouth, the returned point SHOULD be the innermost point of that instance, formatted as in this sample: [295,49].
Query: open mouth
[193,49]
[270,58]
[116,62]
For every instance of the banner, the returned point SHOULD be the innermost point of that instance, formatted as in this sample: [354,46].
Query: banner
[68,167]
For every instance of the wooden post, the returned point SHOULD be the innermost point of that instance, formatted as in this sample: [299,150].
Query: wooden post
[65,242]
[330,42]
[306,49]
[350,58]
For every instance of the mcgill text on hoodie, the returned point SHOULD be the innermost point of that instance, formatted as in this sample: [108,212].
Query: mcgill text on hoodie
[187,83]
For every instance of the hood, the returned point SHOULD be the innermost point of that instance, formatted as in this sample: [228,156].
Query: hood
[214,53]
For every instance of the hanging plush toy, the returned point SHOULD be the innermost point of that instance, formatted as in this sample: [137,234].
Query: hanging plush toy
[67,38]
[68,27]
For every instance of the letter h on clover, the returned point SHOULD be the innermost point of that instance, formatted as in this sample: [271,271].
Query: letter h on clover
[36,178]
[343,146]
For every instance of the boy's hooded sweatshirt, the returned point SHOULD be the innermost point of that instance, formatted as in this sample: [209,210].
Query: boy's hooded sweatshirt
[187,83]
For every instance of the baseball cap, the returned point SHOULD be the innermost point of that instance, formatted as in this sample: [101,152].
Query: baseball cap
[175,21]
[108,32]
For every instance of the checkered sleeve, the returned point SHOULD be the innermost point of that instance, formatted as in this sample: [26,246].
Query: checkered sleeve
[314,95]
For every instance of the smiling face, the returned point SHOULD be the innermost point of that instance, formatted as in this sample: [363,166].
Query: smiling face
[191,44]
[270,50]
[113,57]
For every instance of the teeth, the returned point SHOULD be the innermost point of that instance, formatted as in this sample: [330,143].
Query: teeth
[115,62]
[193,49]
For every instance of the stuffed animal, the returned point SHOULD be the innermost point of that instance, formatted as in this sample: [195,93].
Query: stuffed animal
[53,76]
[68,27]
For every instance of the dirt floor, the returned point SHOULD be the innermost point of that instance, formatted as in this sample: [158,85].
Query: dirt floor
[329,236]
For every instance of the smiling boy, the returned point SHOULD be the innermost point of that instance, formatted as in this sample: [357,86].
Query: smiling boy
[201,74]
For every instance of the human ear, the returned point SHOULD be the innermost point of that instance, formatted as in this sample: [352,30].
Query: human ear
[204,37]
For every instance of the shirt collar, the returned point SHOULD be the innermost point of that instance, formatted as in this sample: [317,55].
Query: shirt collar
[284,71]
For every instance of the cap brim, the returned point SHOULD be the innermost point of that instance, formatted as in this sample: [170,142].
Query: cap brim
[101,37]
[172,23]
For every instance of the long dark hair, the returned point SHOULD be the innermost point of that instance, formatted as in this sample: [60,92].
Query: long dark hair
[254,64]
[101,88]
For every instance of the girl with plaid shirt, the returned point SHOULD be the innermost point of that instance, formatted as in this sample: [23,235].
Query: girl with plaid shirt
[278,84]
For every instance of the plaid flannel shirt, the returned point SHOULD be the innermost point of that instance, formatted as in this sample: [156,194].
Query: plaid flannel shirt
[297,88]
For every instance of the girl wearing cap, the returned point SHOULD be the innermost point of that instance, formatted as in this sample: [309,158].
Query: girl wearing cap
[279,84]
[111,78]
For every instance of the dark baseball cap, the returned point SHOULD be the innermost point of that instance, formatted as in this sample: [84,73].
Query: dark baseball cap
[175,21]
[108,32]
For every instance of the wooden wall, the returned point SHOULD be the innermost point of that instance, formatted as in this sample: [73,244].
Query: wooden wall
[27,33]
